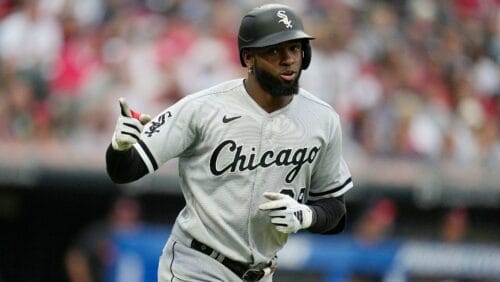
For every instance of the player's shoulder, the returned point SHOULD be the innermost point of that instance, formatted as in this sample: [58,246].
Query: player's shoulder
[316,103]
[209,98]
[227,87]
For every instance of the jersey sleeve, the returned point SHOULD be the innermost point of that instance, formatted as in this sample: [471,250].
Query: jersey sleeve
[168,134]
[331,177]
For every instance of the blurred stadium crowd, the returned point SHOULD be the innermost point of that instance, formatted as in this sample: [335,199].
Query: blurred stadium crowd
[412,79]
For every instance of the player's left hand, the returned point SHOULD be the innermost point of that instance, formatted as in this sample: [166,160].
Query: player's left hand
[286,213]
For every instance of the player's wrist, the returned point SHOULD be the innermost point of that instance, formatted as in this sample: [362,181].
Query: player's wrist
[309,217]
[314,216]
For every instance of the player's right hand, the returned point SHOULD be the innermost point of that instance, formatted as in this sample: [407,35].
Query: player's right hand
[128,127]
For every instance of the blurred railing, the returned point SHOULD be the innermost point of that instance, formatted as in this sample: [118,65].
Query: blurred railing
[77,166]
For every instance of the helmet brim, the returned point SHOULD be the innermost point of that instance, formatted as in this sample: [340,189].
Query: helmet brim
[278,38]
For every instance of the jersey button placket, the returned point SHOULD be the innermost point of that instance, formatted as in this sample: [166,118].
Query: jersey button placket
[265,144]
[267,133]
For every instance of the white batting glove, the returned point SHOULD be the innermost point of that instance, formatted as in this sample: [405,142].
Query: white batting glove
[128,127]
[286,213]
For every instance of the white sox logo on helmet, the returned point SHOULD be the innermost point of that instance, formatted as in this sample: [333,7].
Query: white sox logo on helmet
[284,18]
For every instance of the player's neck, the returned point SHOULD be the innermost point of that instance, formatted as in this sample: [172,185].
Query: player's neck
[265,100]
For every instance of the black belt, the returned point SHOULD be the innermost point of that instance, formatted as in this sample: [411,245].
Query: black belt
[243,270]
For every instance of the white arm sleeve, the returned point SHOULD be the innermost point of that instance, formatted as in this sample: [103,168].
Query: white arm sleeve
[332,177]
[168,134]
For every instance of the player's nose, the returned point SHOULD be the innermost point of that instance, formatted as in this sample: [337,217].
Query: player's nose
[287,58]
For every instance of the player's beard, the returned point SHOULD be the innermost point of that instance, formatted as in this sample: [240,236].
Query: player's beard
[274,86]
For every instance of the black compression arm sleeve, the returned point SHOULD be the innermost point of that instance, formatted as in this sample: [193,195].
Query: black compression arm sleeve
[329,216]
[124,166]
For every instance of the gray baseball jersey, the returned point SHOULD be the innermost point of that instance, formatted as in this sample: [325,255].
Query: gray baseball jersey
[231,151]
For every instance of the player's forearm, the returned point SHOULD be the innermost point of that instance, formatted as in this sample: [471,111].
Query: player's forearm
[124,166]
[327,214]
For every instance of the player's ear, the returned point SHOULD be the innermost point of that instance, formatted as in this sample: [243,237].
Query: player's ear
[248,57]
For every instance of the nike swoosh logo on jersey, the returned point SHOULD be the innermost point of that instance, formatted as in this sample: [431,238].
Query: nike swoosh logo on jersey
[226,119]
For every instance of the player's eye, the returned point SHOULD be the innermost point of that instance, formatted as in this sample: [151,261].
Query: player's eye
[273,51]
[296,47]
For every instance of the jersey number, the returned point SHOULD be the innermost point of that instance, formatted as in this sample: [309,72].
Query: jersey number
[290,192]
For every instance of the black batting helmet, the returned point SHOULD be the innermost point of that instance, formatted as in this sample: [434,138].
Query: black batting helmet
[271,24]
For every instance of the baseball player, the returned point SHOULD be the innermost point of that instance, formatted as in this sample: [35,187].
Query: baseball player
[259,158]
